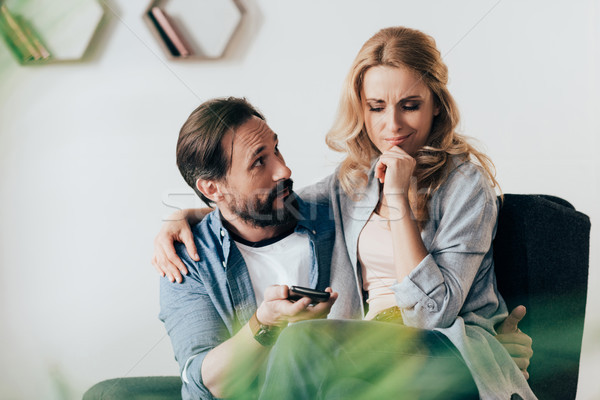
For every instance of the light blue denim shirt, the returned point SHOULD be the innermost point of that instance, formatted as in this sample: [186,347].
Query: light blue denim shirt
[216,298]
[453,289]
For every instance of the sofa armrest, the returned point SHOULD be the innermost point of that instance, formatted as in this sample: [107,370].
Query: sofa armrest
[136,388]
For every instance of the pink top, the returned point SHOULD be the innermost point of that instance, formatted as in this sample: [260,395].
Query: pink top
[376,257]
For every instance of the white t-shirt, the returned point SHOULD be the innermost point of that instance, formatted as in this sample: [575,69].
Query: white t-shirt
[285,262]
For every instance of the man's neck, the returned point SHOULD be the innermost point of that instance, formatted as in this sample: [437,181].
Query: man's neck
[249,232]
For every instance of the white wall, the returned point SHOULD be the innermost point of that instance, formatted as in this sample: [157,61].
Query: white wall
[87,156]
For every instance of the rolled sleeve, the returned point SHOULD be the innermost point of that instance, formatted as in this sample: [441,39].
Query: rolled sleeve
[420,284]
[191,378]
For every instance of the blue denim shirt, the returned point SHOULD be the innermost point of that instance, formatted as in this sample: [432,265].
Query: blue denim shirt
[216,298]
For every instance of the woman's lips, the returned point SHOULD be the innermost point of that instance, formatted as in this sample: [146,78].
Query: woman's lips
[397,140]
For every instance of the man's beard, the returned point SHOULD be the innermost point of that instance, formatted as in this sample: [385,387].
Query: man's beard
[260,213]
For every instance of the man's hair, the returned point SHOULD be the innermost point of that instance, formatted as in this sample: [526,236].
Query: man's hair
[200,153]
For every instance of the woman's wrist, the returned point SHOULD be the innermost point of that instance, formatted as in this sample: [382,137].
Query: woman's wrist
[397,206]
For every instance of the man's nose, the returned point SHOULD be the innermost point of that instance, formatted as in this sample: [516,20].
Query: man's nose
[281,171]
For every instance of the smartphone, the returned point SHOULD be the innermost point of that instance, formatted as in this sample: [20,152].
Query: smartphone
[317,296]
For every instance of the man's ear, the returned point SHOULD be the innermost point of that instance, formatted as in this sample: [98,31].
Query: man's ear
[210,189]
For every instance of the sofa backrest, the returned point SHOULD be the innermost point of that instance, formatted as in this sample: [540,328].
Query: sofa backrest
[541,255]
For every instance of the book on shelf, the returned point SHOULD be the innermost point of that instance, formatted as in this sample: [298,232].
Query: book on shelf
[169,33]
[21,37]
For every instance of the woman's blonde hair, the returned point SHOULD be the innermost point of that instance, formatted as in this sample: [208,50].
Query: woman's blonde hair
[402,47]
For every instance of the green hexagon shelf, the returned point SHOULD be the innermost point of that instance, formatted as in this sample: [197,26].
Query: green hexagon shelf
[42,31]
[194,29]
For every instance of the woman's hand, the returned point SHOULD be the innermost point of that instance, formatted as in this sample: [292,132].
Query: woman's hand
[165,259]
[276,309]
[394,170]
[514,341]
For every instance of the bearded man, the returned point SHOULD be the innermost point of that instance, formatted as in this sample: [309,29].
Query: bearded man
[260,239]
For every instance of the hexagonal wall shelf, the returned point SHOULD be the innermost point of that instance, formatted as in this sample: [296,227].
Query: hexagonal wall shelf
[194,29]
[41,31]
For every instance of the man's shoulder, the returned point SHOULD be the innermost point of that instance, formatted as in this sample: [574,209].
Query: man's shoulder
[307,203]
[207,238]
[315,212]
[208,226]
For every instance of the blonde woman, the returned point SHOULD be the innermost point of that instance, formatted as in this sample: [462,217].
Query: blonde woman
[415,210]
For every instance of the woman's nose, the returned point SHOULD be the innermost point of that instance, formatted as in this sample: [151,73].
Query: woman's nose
[394,119]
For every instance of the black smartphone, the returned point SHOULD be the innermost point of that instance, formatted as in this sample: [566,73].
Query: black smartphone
[317,296]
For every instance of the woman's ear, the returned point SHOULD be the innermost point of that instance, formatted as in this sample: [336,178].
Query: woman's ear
[209,189]
[436,106]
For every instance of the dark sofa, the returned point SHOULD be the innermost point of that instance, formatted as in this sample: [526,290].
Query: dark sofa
[541,253]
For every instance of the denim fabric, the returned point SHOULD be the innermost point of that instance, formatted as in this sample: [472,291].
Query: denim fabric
[453,289]
[216,298]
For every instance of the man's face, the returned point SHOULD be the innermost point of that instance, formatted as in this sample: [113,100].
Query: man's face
[258,182]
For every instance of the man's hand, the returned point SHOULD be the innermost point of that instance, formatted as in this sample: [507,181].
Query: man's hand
[514,341]
[165,258]
[276,309]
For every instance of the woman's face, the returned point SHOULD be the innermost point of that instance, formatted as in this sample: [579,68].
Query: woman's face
[398,108]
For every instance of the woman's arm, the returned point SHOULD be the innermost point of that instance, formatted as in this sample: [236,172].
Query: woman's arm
[395,169]
[177,228]
[433,284]
[457,276]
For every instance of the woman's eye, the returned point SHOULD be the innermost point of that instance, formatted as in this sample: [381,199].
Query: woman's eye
[411,107]
[376,109]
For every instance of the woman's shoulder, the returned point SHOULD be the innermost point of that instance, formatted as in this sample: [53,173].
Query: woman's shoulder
[321,191]
[466,173]
[459,168]
[466,182]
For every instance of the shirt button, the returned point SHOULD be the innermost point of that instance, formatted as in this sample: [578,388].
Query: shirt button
[224,265]
[314,232]
[222,232]
[430,306]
